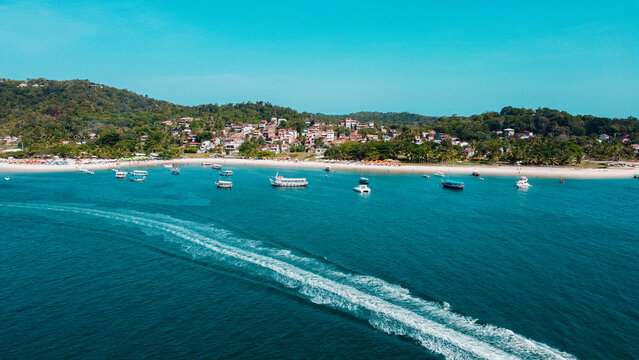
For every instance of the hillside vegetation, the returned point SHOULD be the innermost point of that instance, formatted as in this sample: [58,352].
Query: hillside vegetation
[80,117]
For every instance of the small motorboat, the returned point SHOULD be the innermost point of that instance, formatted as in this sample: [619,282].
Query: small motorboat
[328,168]
[90,172]
[226,173]
[120,174]
[207,164]
[523,184]
[452,184]
[168,166]
[636,176]
[561,181]
[363,180]
[175,171]
[476,173]
[427,176]
[224,184]
[7,179]
[440,174]
[362,189]
[216,166]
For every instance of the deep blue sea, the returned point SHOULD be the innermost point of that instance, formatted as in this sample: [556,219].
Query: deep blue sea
[92,267]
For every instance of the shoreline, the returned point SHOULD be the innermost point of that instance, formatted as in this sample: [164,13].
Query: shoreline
[484,170]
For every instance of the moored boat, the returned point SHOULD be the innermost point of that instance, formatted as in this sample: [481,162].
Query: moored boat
[363,180]
[440,174]
[281,181]
[328,168]
[121,174]
[452,184]
[224,184]
[90,172]
[216,166]
[7,179]
[226,173]
[175,171]
[362,189]
[168,166]
[636,176]
[522,183]
[561,181]
[476,173]
[427,176]
[139,175]
[207,164]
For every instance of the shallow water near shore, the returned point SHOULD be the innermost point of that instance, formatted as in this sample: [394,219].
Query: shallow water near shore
[94,267]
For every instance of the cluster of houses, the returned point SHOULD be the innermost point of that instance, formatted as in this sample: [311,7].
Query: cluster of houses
[277,137]
[510,133]
[604,137]
[315,136]
[12,142]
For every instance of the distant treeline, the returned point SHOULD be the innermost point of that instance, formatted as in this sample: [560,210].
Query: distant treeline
[46,113]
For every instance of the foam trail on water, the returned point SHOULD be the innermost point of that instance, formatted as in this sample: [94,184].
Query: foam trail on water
[385,306]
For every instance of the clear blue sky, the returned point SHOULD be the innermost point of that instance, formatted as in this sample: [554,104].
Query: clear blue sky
[432,58]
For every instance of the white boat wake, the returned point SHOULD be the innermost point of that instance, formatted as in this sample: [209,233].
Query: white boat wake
[387,307]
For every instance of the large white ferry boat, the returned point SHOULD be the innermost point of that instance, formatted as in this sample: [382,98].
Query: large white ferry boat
[139,175]
[288,182]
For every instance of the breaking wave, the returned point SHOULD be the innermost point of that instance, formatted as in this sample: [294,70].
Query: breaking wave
[387,307]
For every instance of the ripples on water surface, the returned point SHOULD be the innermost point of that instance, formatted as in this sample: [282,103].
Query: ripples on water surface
[175,268]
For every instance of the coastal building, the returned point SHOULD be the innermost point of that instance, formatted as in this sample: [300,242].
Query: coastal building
[350,123]
[604,137]
[319,152]
[468,152]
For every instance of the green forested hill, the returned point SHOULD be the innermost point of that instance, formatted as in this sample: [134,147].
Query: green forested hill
[388,118]
[64,110]
[48,114]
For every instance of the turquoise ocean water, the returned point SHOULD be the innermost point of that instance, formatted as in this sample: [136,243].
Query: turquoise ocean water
[94,267]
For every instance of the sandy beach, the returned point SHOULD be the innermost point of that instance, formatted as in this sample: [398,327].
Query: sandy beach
[486,170]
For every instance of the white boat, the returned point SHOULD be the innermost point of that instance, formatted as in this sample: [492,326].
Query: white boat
[288,182]
[7,179]
[427,176]
[168,166]
[216,166]
[226,173]
[362,189]
[206,164]
[139,175]
[90,172]
[523,184]
[121,174]
[224,184]
[440,174]
[175,171]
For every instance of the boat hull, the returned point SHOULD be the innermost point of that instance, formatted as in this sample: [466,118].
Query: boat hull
[288,185]
[454,186]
